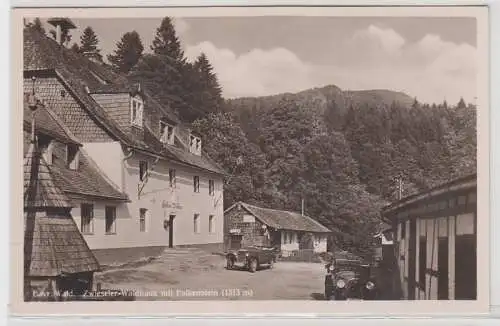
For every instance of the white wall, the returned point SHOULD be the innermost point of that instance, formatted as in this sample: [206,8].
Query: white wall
[108,156]
[320,242]
[285,245]
[161,201]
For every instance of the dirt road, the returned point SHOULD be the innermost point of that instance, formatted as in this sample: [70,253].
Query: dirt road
[190,274]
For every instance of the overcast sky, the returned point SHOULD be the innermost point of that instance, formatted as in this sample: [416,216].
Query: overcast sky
[431,58]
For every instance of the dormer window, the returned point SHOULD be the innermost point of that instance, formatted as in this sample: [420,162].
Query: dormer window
[195,145]
[72,156]
[136,111]
[166,133]
[46,147]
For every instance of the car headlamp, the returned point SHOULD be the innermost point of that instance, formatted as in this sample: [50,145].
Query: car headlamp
[331,268]
[341,284]
[370,285]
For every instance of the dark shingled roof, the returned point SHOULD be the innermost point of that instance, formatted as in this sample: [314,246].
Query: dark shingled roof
[87,180]
[49,124]
[53,243]
[40,190]
[57,248]
[83,76]
[284,220]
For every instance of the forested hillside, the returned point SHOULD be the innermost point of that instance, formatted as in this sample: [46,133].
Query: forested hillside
[339,151]
[341,154]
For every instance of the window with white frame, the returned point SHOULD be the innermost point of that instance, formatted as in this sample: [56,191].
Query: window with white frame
[142,219]
[72,156]
[166,133]
[195,145]
[196,223]
[211,187]
[136,111]
[110,218]
[210,224]
[46,147]
[196,183]
[172,178]
[87,218]
[143,170]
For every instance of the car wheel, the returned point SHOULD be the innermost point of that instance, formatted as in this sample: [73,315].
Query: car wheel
[252,266]
[230,263]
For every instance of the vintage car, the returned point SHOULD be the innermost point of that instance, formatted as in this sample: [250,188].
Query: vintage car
[348,279]
[251,258]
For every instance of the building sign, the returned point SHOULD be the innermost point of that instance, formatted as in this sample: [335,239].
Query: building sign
[168,204]
[235,231]
[248,219]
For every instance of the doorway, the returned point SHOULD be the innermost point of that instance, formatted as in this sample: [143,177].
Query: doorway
[171,231]
[465,267]
[443,268]
[235,241]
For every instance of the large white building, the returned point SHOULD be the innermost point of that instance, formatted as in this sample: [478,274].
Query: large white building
[174,190]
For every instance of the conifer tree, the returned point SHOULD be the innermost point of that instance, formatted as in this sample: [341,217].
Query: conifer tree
[89,42]
[208,88]
[128,52]
[166,42]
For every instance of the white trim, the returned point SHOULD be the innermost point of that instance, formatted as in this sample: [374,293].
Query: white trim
[164,132]
[136,103]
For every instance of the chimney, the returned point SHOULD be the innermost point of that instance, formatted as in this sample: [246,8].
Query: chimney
[302,210]
[61,25]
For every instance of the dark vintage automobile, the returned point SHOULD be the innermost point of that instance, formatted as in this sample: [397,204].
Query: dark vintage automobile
[348,279]
[251,257]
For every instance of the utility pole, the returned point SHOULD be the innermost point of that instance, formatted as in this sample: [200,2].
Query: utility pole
[399,181]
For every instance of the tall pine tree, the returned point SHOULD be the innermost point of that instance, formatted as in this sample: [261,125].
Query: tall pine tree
[89,42]
[208,92]
[128,52]
[166,42]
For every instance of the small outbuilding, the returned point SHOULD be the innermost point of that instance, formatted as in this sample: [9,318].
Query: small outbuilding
[291,232]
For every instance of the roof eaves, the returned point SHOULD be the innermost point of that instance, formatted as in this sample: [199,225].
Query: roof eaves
[125,198]
[453,185]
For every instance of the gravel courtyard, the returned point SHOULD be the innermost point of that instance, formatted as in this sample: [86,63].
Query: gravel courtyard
[192,274]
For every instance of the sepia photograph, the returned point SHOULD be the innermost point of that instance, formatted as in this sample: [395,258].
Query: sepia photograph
[238,157]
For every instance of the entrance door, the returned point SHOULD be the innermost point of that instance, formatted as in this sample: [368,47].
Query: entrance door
[465,267]
[235,241]
[412,254]
[443,268]
[171,231]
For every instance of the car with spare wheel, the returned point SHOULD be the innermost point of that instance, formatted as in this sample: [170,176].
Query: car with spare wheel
[251,258]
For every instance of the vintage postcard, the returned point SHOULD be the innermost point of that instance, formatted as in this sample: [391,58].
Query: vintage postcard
[179,161]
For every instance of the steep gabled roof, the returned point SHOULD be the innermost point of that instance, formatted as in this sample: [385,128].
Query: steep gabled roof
[87,180]
[40,190]
[56,247]
[284,220]
[83,76]
[49,124]
[53,243]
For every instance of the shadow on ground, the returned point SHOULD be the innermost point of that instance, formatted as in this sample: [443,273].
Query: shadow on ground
[317,296]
